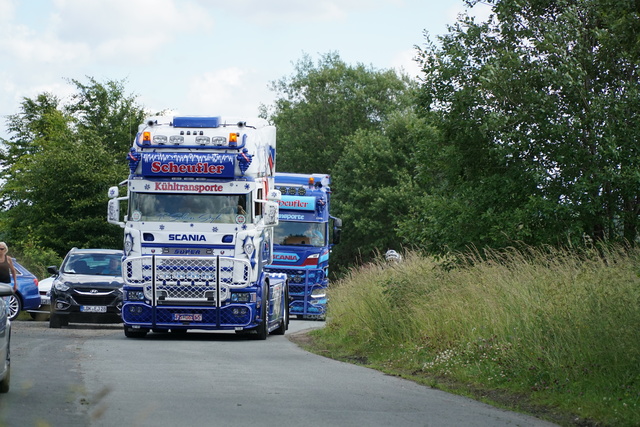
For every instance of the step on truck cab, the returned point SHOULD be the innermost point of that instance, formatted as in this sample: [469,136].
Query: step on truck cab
[201,207]
[303,239]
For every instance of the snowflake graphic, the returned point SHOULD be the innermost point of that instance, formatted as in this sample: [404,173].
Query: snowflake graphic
[147,187]
[161,226]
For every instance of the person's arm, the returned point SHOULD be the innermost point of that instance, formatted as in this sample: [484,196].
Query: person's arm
[14,274]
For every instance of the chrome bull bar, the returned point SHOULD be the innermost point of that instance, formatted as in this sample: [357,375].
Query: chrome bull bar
[186,280]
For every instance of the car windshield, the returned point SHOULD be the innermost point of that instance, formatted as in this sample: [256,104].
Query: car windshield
[299,233]
[201,208]
[94,264]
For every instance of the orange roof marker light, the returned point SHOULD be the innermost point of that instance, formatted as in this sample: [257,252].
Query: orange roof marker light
[233,139]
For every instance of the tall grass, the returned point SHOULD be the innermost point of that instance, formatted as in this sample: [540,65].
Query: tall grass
[561,327]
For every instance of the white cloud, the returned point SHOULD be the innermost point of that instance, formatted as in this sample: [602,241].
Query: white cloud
[404,61]
[287,12]
[7,10]
[18,43]
[125,30]
[479,11]
[231,91]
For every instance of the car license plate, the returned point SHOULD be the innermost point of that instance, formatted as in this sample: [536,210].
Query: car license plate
[187,317]
[45,301]
[93,309]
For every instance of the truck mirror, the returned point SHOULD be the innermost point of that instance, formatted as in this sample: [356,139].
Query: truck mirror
[113,192]
[337,226]
[113,212]
[270,215]
[274,195]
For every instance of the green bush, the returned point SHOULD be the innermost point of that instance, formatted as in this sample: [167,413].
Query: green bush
[36,260]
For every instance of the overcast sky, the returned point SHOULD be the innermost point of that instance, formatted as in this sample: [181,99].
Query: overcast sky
[205,57]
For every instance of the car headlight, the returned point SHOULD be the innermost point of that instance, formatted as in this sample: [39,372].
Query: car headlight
[61,286]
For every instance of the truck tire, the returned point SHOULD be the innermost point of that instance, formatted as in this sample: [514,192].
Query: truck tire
[263,328]
[134,333]
[284,322]
[57,321]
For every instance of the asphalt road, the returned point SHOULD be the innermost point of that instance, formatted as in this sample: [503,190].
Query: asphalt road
[91,375]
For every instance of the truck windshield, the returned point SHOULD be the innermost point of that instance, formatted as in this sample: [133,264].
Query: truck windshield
[300,233]
[200,208]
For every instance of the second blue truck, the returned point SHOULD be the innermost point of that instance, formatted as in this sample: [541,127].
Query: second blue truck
[302,241]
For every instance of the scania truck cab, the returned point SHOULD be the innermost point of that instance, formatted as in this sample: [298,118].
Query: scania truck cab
[198,230]
[303,239]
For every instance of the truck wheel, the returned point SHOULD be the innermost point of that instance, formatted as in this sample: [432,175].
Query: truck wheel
[134,333]
[57,321]
[284,322]
[263,328]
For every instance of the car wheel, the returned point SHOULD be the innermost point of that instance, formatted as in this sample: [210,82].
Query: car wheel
[15,306]
[4,384]
[40,317]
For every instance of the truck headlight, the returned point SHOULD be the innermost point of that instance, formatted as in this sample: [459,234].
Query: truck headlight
[242,297]
[318,293]
[135,295]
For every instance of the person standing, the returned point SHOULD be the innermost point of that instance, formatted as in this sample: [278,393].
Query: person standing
[7,270]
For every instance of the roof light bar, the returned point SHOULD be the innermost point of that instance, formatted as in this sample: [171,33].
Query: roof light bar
[196,122]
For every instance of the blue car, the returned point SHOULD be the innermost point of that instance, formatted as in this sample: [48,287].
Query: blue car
[27,296]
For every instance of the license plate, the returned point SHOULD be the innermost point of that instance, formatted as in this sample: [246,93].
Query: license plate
[187,317]
[93,309]
[45,301]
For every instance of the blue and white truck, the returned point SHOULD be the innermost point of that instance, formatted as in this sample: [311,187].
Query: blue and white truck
[201,208]
[303,239]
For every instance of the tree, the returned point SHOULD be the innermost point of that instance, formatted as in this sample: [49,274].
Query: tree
[58,165]
[347,121]
[538,109]
[376,187]
[106,109]
[319,107]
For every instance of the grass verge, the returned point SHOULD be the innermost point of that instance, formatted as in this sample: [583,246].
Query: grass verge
[547,332]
